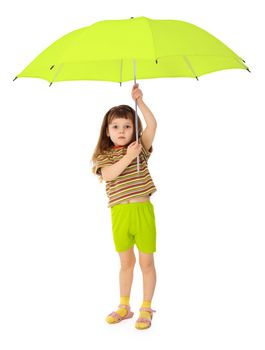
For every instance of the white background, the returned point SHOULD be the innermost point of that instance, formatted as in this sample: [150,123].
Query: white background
[58,267]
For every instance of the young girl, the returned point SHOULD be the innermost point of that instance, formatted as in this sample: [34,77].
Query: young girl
[129,191]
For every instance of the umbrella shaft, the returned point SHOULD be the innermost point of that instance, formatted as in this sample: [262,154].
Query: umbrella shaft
[136,119]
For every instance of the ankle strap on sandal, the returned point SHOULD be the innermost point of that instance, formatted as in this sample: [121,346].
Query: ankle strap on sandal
[124,306]
[147,309]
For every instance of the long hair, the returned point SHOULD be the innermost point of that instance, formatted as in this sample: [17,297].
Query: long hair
[105,144]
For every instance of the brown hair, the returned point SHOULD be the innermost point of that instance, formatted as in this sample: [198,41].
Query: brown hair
[105,144]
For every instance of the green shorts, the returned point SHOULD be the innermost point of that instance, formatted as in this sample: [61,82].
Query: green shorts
[134,223]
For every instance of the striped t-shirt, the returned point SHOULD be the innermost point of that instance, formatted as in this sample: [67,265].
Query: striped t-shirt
[130,183]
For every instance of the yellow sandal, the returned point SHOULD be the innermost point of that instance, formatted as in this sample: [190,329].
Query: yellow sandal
[144,320]
[118,318]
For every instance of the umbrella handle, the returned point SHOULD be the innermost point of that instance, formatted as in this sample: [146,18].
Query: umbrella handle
[136,119]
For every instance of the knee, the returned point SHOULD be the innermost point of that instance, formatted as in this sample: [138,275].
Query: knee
[147,266]
[128,264]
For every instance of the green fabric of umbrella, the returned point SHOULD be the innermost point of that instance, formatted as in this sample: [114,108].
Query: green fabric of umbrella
[112,50]
[107,51]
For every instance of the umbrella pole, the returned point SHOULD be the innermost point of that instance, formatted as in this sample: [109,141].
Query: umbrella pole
[136,119]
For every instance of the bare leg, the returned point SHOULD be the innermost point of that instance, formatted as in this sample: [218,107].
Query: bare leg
[149,275]
[127,260]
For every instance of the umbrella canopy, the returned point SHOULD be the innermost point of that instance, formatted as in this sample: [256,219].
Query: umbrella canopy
[110,50]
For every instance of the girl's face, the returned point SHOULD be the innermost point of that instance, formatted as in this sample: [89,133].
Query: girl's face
[120,130]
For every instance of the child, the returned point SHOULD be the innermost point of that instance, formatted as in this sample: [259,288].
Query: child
[129,191]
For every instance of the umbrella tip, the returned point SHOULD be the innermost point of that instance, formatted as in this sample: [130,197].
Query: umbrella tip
[15,79]
[248,70]
[197,78]
[50,84]
[120,83]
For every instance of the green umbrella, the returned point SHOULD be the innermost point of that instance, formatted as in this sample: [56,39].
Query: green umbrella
[120,50]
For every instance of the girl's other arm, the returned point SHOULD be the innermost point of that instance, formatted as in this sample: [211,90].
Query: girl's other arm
[111,172]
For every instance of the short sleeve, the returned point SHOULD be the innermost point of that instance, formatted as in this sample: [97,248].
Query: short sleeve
[146,153]
[101,161]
